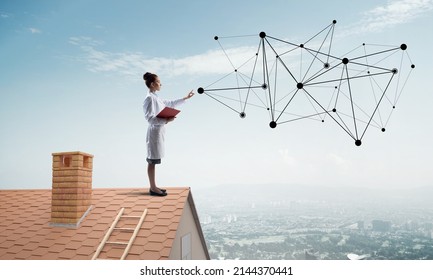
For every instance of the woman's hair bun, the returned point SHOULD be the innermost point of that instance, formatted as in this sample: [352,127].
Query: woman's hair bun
[147,75]
[149,78]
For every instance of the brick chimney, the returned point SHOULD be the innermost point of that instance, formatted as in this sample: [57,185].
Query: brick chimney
[72,188]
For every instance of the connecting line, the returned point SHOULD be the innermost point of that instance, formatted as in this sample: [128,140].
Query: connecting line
[282,62]
[266,78]
[275,85]
[389,117]
[371,66]
[318,75]
[320,32]
[311,64]
[251,80]
[304,117]
[404,85]
[233,88]
[284,97]
[316,53]
[263,106]
[398,79]
[239,91]
[237,36]
[371,85]
[280,40]
[375,124]
[332,97]
[344,123]
[222,78]
[312,105]
[372,54]
[293,96]
[330,44]
[300,65]
[321,53]
[347,131]
[351,101]
[348,78]
[221,102]
[386,96]
[339,89]
[374,112]
[359,108]
[227,55]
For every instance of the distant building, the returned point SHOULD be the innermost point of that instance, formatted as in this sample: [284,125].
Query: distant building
[382,226]
[310,256]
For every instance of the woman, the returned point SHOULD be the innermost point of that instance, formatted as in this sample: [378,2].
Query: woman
[155,133]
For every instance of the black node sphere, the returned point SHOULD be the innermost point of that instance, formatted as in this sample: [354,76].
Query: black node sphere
[394,71]
[262,34]
[412,66]
[301,45]
[300,85]
[383,129]
[334,21]
[358,142]
[200,90]
[216,37]
[273,124]
[345,60]
[242,115]
[326,65]
[264,86]
[403,46]
[334,110]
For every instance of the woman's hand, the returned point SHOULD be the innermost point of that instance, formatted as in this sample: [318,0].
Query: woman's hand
[167,120]
[190,94]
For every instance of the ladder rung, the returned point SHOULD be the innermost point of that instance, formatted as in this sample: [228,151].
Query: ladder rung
[116,243]
[113,227]
[125,229]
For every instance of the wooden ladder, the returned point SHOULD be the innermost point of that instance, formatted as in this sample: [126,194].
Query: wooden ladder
[113,228]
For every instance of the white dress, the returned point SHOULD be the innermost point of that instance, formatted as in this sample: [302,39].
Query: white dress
[152,105]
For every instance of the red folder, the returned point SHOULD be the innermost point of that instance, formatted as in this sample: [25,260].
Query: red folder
[168,112]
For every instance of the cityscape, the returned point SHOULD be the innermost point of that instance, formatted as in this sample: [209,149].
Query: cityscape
[279,222]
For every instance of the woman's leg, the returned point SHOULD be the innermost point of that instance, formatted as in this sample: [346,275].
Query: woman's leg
[151,173]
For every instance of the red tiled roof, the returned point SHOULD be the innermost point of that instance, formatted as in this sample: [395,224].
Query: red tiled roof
[26,233]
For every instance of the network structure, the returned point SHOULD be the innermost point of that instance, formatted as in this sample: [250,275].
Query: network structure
[306,81]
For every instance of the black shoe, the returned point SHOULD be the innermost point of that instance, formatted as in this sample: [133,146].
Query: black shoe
[157,194]
[163,190]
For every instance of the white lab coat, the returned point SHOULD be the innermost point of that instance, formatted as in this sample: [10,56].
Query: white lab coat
[152,105]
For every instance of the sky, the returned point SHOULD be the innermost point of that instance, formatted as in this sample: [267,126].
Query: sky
[71,79]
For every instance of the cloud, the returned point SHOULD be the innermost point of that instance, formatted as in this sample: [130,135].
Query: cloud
[214,61]
[131,64]
[4,16]
[34,30]
[395,12]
